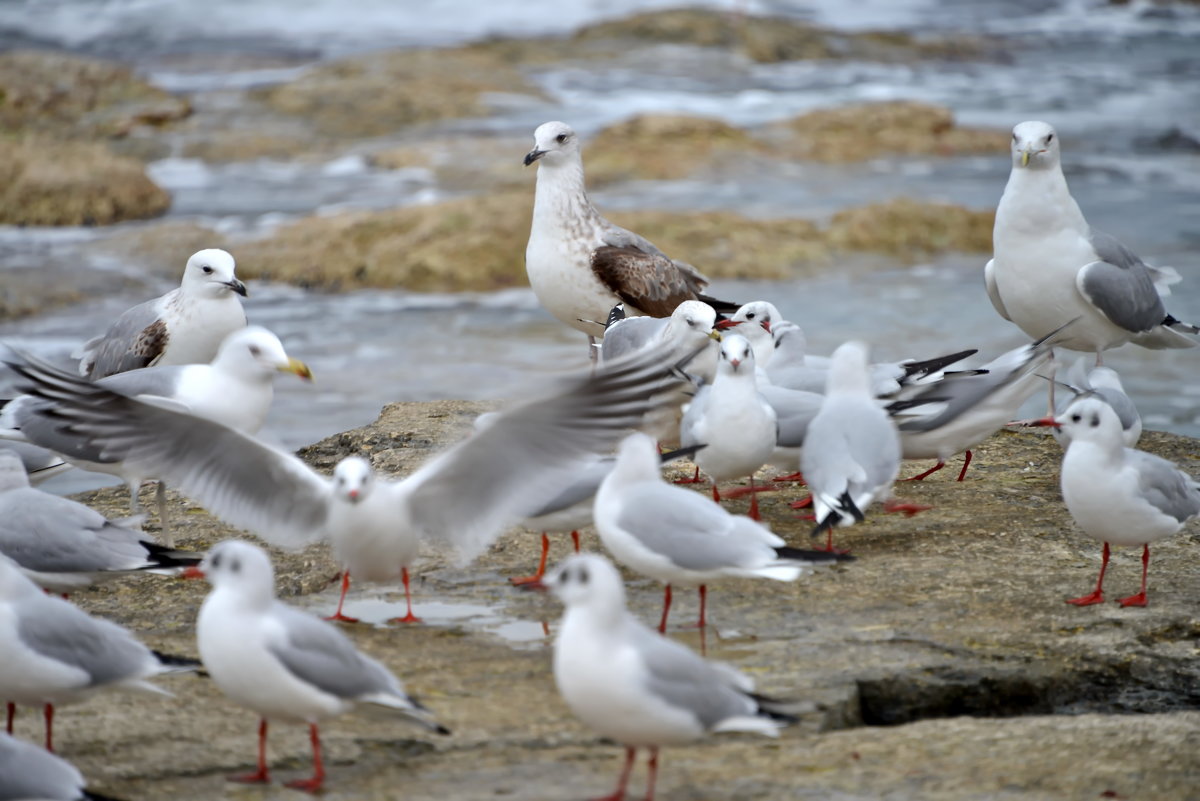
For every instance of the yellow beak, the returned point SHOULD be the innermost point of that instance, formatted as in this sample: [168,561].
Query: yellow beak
[298,367]
[1024,158]
[715,335]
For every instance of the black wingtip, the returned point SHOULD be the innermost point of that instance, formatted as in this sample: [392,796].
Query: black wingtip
[171,660]
[806,555]
[937,363]
[615,315]
[720,306]
[769,707]
[684,452]
[845,506]
[169,557]
[443,730]
[90,796]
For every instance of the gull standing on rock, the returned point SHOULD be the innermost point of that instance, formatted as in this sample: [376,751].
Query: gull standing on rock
[465,496]
[1119,495]
[285,664]
[236,389]
[185,326]
[55,653]
[28,772]
[678,536]
[1049,266]
[1104,383]
[637,687]
[65,546]
[851,452]
[736,425]
[579,264]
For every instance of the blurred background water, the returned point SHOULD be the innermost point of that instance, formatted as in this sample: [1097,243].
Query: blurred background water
[1119,81]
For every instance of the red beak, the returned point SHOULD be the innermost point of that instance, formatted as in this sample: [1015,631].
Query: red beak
[353,495]
[721,325]
[767,325]
[1046,422]
[191,572]
[735,362]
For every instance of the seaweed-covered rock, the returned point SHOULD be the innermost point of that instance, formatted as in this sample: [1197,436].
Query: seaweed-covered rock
[76,97]
[73,183]
[906,228]
[664,147]
[378,93]
[869,130]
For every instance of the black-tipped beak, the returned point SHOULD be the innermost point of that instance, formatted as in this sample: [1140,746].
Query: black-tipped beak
[533,155]
[237,286]
[1045,422]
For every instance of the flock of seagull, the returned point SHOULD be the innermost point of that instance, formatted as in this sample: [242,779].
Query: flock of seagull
[177,388]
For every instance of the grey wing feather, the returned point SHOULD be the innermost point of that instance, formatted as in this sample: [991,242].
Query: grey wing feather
[586,483]
[60,631]
[241,480]
[630,335]
[50,534]
[690,530]
[136,339]
[1120,285]
[794,411]
[160,381]
[28,771]
[47,433]
[854,448]
[685,680]
[1164,486]
[316,652]
[618,237]
[993,291]
[525,456]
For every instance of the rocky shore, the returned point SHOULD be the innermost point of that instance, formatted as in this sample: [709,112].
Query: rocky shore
[942,664]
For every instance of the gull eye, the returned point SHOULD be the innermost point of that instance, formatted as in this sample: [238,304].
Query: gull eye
[749,315]
[206,269]
[1095,420]
[255,350]
[216,561]
[1075,418]
[1014,137]
[583,575]
[235,566]
[560,138]
[1049,138]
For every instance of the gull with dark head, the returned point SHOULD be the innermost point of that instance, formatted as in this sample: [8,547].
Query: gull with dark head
[580,265]
[185,326]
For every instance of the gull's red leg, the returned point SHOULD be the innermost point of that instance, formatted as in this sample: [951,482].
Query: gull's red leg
[966,464]
[1140,598]
[797,477]
[345,588]
[652,777]
[716,493]
[695,479]
[662,624]
[48,712]
[927,473]
[12,715]
[410,617]
[260,776]
[575,539]
[313,784]
[623,781]
[1097,595]
[541,568]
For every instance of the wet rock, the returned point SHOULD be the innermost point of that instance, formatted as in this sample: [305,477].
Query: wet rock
[771,39]
[942,665]
[905,228]
[870,130]
[664,148]
[78,97]
[379,93]
[43,182]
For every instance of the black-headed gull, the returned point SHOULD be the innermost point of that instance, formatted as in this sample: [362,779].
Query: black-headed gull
[851,453]
[1119,495]
[736,424]
[961,410]
[635,686]
[1049,266]
[465,496]
[185,326]
[678,536]
[1104,383]
[286,665]
[236,388]
[65,546]
[28,773]
[580,265]
[56,654]
[690,327]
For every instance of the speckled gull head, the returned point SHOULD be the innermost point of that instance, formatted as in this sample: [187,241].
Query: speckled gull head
[553,143]
[353,479]
[1034,145]
[211,272]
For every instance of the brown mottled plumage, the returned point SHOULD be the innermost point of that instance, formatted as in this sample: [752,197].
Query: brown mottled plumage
[651,282]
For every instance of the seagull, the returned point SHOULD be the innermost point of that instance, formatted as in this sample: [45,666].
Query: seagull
[735,423]
[1119,495]
[580,264]
[793,367]
[285,664]
[637,687]
[40,464]
[465,496]
[64,546]
[1049,266]
[851,451]
[677,536]
[55,653]
[185,326]
[963,409]
[1104,383]
[691,327]
[236,388]
[28,772]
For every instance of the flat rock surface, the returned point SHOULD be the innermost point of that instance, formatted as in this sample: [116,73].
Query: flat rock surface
[942,664]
